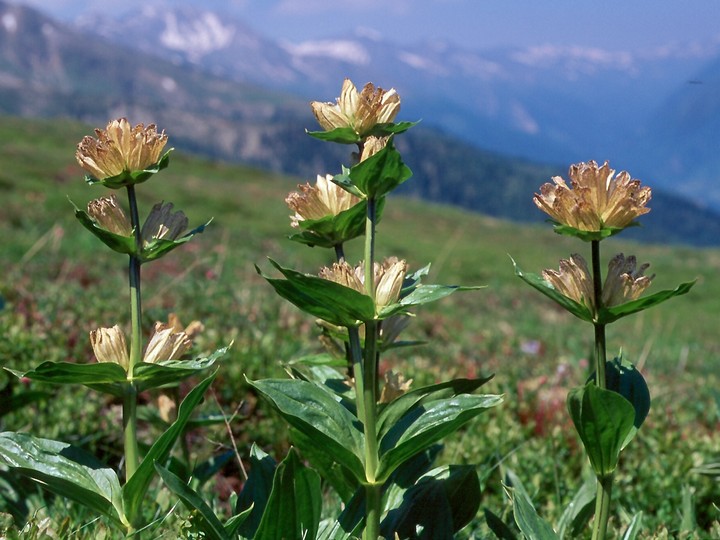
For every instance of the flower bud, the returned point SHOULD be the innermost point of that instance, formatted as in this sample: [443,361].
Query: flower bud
[109,346]
[110,216]
[625,281]
[163,224]
[166,344]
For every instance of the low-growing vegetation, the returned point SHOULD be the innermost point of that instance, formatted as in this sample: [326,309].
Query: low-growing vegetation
[60,283]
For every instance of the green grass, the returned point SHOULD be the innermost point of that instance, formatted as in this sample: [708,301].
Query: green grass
[58,283]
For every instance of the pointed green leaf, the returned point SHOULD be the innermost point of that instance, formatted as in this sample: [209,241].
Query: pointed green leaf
[578,512]
[527,519]
[66,471]
[379,174]
[608,315]
[116,242]
[441,503]
[330,230]
[343,135]
[349,524]
[158,247]
[318,414]
[623,378]
[392,128]
[634,528]
[102,376]
[135,489]
[498,526]
[293,510]
[391,413]
[322,298]
[603,419]
[172,372]
[256,491]
[203,517]
[423,294]
[422,426]
[537,282]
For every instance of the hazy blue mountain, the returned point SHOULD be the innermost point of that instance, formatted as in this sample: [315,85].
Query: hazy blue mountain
[50,69]
[546,103]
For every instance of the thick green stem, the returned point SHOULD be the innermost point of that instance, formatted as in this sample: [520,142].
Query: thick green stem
[132,455]
[602,508]
[604,485]
[369,399]
[368,396]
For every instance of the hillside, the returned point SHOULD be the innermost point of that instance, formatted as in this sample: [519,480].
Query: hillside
[50,70]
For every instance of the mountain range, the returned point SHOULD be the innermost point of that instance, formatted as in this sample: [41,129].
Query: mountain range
[654,112]
[224,91]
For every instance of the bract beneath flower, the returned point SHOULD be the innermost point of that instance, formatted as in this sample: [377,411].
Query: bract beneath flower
[596,201]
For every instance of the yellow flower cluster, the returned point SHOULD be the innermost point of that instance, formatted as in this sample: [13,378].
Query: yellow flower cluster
[595,198]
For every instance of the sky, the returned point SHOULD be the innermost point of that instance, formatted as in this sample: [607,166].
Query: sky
[474,24]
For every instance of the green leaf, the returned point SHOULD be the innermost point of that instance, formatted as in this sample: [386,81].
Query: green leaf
[379,174]
[203,517]
[391,413]
[158,247]
[344,135]
[172,372]
[608,315]
[116,242]
[623,378]
[527,519]
[135,489]
[498,526]
[256,491]
[330,230]
[66,471]
[322,298]
[441,503]
[603,419]
[537,282]
[422,426]
[392,128]
[293,510]
[578,512]
[634,528]
[105,377]
[422,294]
[131,177]
[349,524]
[318,414]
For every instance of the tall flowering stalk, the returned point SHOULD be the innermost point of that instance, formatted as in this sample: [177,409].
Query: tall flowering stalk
[120,156]
[609,410]
[370,440]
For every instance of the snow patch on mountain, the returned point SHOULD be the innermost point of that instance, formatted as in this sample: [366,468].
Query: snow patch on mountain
[344,50]
[196,38]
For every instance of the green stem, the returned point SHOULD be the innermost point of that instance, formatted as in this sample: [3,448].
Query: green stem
[369,399]
[602,508]
[604,485]
[132,455]
[368,396]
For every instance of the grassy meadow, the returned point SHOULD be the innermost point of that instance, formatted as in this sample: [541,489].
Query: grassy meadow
[59,282]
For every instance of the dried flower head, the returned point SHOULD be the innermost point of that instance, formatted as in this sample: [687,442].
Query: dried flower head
[596,199]
[166,344]
[625,281]
[109,346]
[108,213]
[323,199]
[120,149]
[163,224]
[394,387]
[388,279]
[360,111]
[573,280]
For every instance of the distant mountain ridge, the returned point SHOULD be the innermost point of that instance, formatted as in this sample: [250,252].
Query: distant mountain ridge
[545,103]
[50,69]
